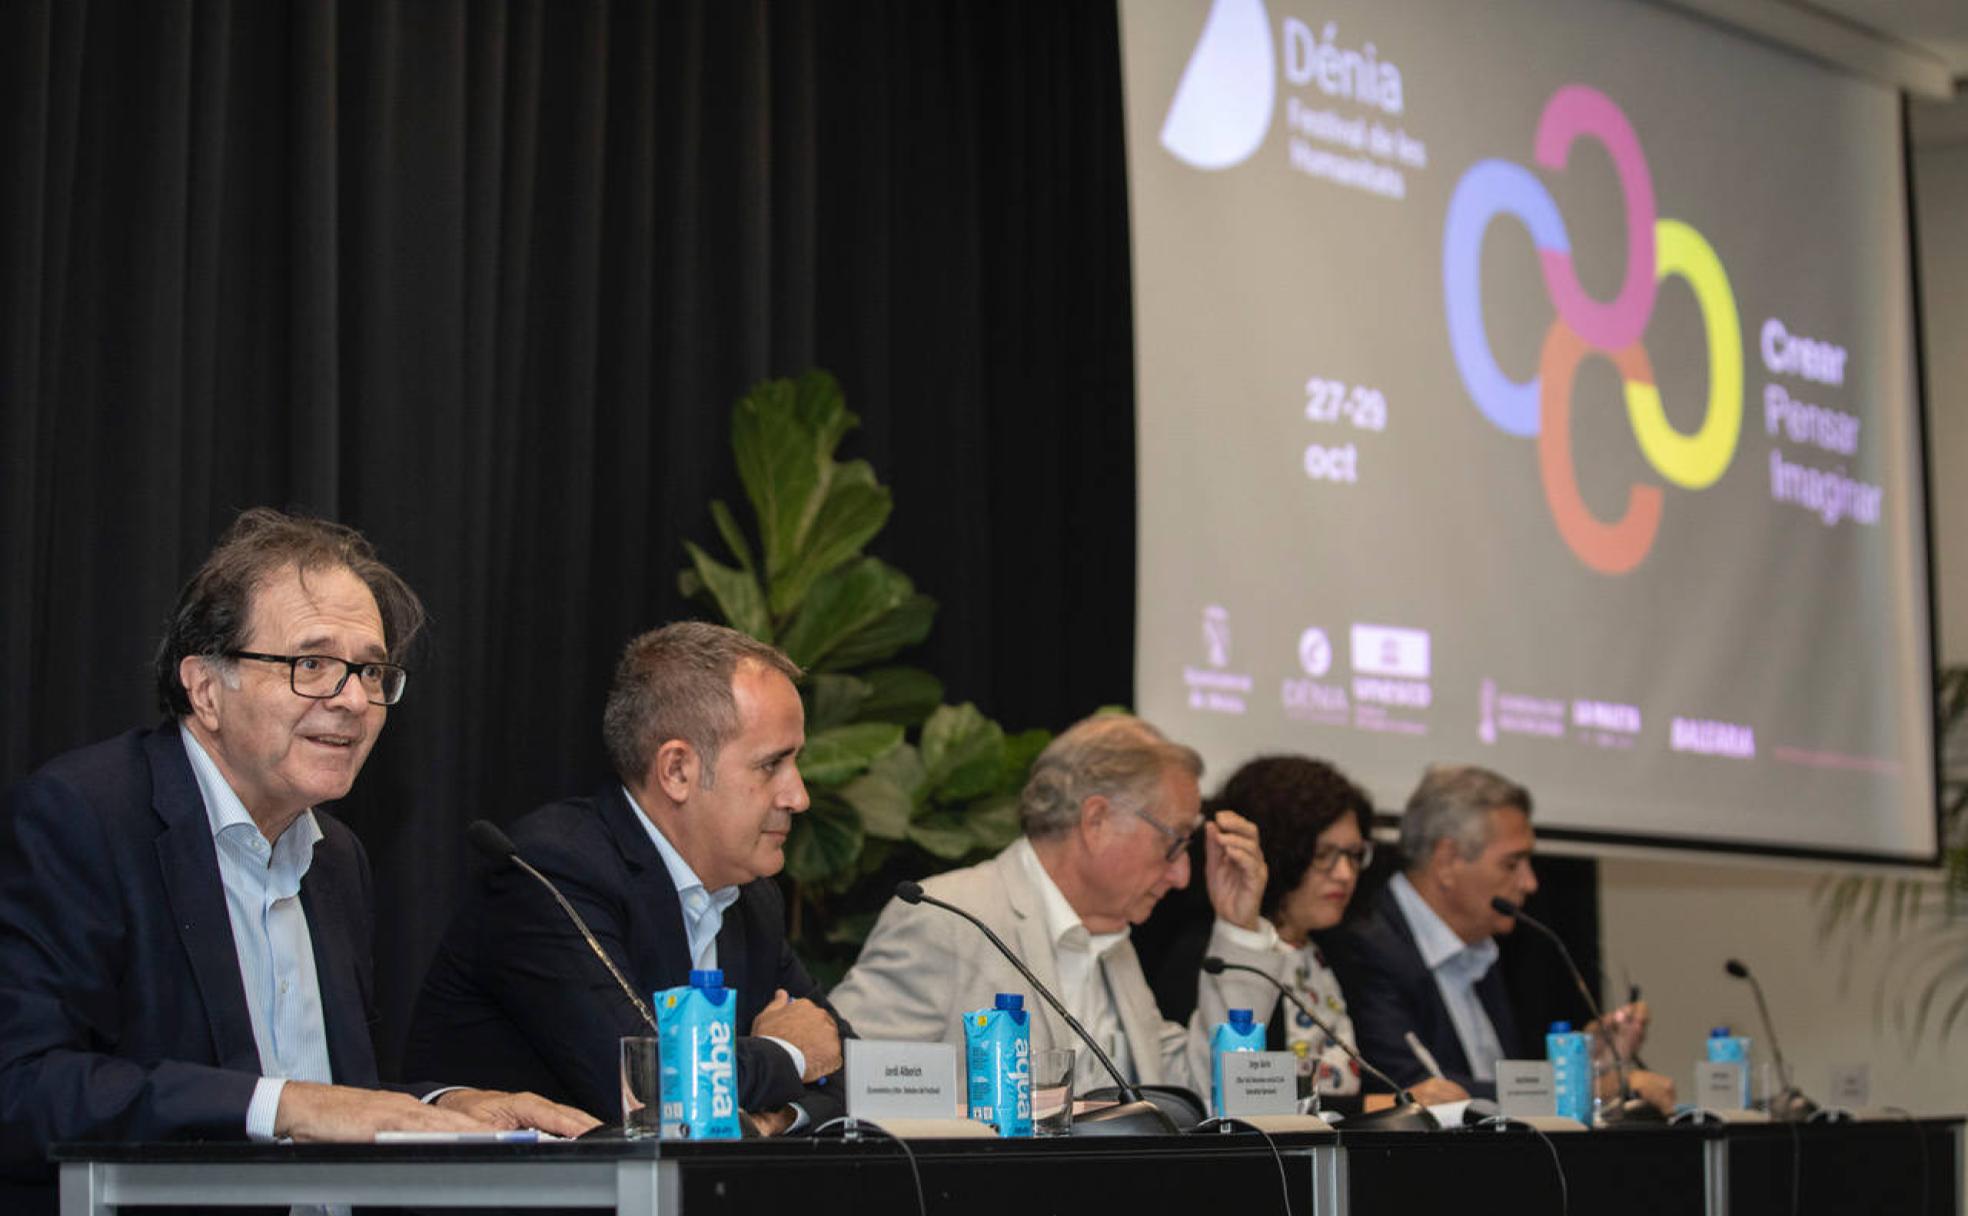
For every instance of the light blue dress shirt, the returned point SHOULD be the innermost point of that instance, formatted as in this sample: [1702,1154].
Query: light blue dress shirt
[270,933]
[1457,968]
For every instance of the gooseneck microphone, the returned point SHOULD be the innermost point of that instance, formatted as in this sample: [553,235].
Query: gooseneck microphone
[1631,1107]
[1790,1105]
[489,840]
[1134,1115]
[1405,1114]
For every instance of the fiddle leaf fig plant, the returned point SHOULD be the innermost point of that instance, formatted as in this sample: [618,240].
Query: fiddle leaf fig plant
[902,785]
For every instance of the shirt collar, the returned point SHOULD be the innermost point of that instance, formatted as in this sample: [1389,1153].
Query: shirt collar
[228,816]
[681,875]
[1064,928]
[1438,943]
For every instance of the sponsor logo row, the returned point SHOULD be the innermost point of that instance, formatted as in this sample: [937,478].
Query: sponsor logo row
[1386,685]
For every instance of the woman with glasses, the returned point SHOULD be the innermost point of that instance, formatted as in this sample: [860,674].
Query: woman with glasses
[1312,823]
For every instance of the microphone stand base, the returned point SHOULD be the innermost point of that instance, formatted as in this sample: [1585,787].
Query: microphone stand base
[1140,1118]
[1402,1117]
[1631,1112]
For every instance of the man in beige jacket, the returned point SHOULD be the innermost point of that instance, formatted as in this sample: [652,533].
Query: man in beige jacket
[1108,814]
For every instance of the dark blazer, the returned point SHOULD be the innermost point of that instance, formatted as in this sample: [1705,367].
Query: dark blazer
[1390,991]
[122,1014]
[516,1000]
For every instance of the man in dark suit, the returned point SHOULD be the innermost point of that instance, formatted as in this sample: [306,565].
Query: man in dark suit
[671,868]
[184,940]
[1422,962]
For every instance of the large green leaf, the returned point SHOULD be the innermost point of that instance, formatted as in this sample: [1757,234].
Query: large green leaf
[821,408]
[903,627]
[853,509]
[824,844]
[962,750]
[736,593]
[842,603]
[900,694]
[1020,751]
[885,808]
[993,823]
[832,756]
[734,536]
[835,700]
[903,766]
[942,834]
[781,465]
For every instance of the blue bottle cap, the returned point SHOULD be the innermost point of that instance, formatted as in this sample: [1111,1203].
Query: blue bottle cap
[1011,1001]
[1561,1028]
[1720,1032]
[712,978]
[1241,1020]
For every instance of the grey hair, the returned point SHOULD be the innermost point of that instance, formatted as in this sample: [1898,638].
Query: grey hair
[1453,803]
[675,683]
[1114,755]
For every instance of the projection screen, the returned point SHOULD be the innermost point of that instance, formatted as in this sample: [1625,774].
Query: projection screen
[1533,384]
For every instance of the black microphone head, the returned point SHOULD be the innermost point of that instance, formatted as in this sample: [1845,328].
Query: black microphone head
[1213,965]
[486,837]
[1500,904]
[909,892]
[1734,967]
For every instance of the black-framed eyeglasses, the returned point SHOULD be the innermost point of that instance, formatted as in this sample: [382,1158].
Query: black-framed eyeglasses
[1178,841]
[321,676]
[1326,856]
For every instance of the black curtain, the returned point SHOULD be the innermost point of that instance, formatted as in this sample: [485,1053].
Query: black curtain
[483,278]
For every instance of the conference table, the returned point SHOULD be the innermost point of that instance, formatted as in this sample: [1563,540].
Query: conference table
[1894,1168]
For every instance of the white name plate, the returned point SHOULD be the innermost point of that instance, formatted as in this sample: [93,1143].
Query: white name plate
[1851,1086]
[1525,1088]
[902,1080]
[1720,1085]
[1260,1083]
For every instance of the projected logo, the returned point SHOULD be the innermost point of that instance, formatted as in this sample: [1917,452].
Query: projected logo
[1222,106]
[1656,249]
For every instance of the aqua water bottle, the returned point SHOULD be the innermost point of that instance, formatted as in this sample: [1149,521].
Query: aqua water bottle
[998,1065]
[698,1035]
[1727,1048]
[1240,1033]
[1571,1071]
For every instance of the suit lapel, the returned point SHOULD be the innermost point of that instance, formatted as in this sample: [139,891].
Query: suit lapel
[188,863]
[1441,1037]
[660,958]
[333,927]
[1141,1021]
[734,959]
[1035,949]
[1496,1002]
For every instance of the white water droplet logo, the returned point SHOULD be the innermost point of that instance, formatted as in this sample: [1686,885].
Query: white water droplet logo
[1222,106]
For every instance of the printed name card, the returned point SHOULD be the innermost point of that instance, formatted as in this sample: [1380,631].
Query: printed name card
[887,1080]
[1260,1083]
[1525,1088]
[1721,1085]
[1851,1086]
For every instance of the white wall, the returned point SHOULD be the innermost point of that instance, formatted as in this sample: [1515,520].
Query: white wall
[1671,923]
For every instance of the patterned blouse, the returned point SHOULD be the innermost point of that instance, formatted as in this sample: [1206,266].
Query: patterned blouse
[1322,1064]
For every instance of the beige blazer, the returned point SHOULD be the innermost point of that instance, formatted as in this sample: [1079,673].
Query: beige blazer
[922,968]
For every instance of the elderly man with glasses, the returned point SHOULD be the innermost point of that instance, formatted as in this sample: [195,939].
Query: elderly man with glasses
[1108,814]
[184,936]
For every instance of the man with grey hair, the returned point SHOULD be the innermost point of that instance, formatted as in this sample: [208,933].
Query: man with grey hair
[1420,967]
[1108,814]
[671,866]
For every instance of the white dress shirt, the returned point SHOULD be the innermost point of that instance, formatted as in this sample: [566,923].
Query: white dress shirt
[1457,968]
[1083,984]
